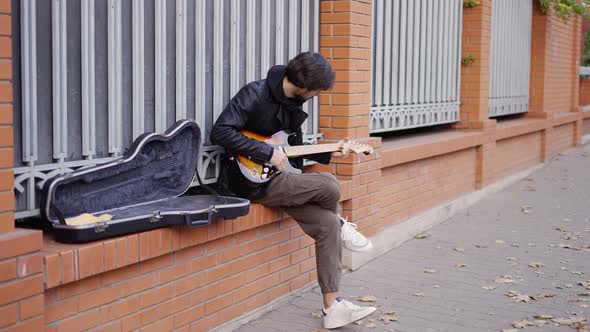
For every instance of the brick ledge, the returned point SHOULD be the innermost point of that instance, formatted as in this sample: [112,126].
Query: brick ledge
[66,263]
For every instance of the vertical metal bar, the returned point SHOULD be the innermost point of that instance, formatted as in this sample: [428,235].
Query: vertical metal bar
[387,57]
[395,68]
[457,95]
[304,32]
[423,31]
[452,49]
[304,26]
[402,51]
[440,50]
[293,29]
[115,65]
[60,105]
[29,81]
[181,60]
[495,70]
[527,52]
[88,80]
[445,53]
[435,51]
[429,51]
[217,58]
[316,47]
[160,65]
[379,55]
[251,41]
[416,52]
[138,68]
[410,52]
[265,38]
[280,32]
[235,48]
[200,41]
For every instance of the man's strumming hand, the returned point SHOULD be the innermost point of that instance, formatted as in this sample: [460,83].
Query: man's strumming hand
[279,159]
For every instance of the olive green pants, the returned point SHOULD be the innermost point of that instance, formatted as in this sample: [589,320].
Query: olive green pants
[312,200]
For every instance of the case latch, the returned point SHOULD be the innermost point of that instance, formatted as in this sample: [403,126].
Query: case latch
[156,216]
[100,226]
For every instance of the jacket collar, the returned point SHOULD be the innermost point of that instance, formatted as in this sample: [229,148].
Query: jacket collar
[290,113]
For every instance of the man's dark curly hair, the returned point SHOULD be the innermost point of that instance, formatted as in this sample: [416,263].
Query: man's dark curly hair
[311,71]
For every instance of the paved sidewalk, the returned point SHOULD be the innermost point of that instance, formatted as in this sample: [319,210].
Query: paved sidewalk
[536,219]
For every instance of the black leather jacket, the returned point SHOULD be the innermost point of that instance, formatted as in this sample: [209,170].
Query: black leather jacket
[263,108]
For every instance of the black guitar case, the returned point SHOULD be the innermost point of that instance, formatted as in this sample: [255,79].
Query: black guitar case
[142,190]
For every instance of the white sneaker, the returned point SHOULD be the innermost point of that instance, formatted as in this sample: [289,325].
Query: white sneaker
[352,239]
[342,312]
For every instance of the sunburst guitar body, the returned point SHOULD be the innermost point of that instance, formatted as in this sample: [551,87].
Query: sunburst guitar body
[258,172]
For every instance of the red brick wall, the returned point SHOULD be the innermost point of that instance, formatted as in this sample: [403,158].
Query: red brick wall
[6,132]
[21,281]
[197,287]
[563,137]
[554,52]
[413,187]
[516,154]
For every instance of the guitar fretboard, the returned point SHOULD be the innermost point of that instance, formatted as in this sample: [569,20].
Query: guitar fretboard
[302,150]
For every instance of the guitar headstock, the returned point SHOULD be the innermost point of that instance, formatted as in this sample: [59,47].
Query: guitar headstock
[357,147]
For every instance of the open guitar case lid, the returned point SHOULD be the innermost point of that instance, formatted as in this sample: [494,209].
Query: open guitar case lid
[142,190]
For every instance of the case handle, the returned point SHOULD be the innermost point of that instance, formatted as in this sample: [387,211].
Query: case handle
[201,222]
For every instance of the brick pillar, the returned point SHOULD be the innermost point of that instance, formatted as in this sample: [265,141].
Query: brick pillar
[475,86]
[6,132]
[576,57]
[345,28]
[345,40]
[21,264]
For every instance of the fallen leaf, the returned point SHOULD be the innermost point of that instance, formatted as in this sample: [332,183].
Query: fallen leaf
[359,322]
[419,294]
[500,241]
[585,283]
[526,209]
[515,245]
[543,316]
[577,272]
[567,246]
[389,312]
[388,318]
[511,258]
[506,279]
[483,245]
[536,264]
[459,265]
[371,325]
[522,324]
[421,236]
[367,298]
[530,179]
[429,271]
[531,188]
[488,287]
[316,314]
[519,297]
[459,249]
[584,294]
[509,330]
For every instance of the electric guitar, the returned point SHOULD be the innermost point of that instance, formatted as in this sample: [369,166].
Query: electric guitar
[262,172]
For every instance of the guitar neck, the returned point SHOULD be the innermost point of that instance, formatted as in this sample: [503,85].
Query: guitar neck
[302,150]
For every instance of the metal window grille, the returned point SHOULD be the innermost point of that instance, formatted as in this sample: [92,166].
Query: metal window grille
[95,74]
[416,63]
[511,55]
